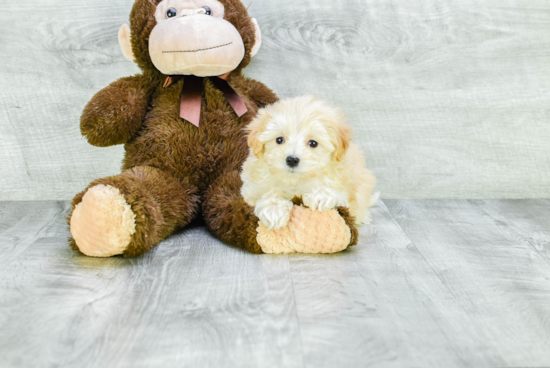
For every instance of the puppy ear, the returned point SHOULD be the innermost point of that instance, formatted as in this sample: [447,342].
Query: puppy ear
[343,140]
[254,131]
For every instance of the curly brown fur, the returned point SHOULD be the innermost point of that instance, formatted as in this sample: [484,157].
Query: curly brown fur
[123,105]
[227,214]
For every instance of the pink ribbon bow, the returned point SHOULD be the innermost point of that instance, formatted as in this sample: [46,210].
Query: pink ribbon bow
[191,96]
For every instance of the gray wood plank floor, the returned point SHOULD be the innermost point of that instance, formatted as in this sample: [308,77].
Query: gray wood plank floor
[433,283]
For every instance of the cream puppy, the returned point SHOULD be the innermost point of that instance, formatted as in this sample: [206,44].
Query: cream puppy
[301,147]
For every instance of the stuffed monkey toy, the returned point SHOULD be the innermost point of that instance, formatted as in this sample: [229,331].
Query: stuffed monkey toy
[182,123]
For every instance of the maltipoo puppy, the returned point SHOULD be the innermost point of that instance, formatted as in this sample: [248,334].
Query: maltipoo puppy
[301,147]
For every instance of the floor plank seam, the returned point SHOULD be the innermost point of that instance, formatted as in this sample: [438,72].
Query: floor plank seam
[475,202]
[6,262]
[296,312]
[418,250]
[427,262]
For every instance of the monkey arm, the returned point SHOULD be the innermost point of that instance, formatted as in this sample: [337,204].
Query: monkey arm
[114,115]
[260,93]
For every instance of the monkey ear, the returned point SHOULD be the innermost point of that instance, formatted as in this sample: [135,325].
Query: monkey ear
[258,38]
[124,35]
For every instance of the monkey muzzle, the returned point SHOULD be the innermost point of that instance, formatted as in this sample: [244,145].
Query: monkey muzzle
[196,44]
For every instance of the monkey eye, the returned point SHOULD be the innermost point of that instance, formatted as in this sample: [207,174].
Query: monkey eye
[280,140]
[313,144]
[171,13]
[208,11]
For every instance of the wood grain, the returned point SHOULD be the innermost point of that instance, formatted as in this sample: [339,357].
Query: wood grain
[432,283]
[447,98]
[191,302]
[526,221]
[497,280]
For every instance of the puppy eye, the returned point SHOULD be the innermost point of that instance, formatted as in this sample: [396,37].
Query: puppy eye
[208,11]
[313,144]
[280,140]
[171,13]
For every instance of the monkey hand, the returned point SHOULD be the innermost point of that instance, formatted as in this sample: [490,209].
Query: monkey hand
[115,114]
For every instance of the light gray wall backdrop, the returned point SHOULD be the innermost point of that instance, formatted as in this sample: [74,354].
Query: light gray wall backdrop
[448,98]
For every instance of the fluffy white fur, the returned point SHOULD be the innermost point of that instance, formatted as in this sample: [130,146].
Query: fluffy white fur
[330,175]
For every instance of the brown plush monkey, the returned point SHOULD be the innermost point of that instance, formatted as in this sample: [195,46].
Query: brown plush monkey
[184,138]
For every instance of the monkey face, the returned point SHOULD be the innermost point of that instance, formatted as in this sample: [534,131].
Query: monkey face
[190,37]
[193,38]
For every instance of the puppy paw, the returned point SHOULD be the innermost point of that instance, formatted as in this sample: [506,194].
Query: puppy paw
[274,213]
[323,199]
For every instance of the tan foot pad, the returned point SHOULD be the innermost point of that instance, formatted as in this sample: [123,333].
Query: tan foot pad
[307,232]
[102,225]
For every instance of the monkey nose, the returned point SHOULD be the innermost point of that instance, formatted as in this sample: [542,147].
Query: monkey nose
[292,161]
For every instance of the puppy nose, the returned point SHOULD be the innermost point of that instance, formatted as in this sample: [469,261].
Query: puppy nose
[292,161]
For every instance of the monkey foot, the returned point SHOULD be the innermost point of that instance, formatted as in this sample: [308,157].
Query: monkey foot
[307,232]
[102,225]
